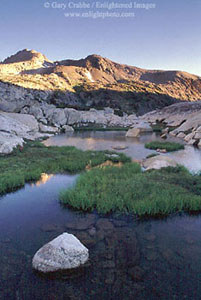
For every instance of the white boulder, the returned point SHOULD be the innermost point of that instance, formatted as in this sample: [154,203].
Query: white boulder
[58,117]
[133,132]
[158,162]
[63,253]
[68,128]
[8,142]
[48,129]
[18,124]
[143,126]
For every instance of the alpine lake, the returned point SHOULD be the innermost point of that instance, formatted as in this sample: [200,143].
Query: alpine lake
[130,258]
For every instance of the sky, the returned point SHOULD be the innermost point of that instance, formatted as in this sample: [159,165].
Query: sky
[166,36]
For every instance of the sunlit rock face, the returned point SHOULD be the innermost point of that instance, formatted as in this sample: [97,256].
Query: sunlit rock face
[92,82]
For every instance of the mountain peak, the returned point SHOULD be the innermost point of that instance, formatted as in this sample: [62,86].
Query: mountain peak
[26,55]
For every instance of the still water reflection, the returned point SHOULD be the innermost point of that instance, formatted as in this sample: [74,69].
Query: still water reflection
[107,140]
[129,258]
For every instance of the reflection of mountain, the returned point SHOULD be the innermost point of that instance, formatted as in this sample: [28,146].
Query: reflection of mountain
[98,82]
[44,178]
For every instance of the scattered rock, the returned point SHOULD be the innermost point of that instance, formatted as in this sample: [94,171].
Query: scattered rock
[68,128]
[85,238]
[92,231]
[189,137]
[119,223]
[49,227]
[81,223]
[8,142]
[105,225]
[192,142]
[197,136]
[112,155]
[181,135]
[134,132]
[48,129]
[189,240]
[164,136]
[120,147]
[150,237]
[108,264]
[199,144]
[151,256]
[100,235]
[161,150]
[58,117]
[137,273]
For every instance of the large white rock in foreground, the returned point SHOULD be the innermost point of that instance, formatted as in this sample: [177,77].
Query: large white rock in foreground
[63,253]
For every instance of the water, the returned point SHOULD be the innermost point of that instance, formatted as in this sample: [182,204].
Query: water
[129,259]
[190,157]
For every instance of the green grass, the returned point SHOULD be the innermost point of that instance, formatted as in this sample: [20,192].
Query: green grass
[168,146]
[28,164]
[152,155]
[158,127]
[129,190]
[100,129]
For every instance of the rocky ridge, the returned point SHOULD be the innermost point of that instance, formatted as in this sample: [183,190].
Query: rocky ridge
[93,82]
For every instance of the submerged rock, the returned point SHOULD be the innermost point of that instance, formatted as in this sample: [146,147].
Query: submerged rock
[136,273]
[120,147]
[63,253]
[81,223]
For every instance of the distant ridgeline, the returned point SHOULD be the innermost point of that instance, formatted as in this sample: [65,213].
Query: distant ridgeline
[93,82]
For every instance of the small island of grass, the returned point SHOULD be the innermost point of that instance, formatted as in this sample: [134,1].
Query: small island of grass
[168,146]
[28,163]
[130,190]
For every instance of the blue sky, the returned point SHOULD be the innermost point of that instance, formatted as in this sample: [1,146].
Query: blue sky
[167,37]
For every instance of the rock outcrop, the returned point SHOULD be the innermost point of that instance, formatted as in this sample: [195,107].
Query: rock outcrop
[139,127]
[183,118]
[41,120]
[63,253]
[8,142]
[15,128]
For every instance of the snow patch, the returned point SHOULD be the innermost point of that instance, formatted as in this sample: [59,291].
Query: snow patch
[89,76]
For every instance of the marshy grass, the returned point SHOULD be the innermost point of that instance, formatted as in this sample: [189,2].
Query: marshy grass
[129,190]
[86,128]
[168,146]
[27,164]
[152,155]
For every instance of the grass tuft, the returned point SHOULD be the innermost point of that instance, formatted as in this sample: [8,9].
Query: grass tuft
[168,146]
